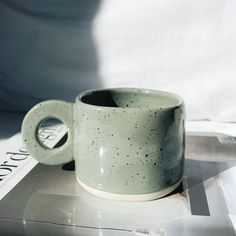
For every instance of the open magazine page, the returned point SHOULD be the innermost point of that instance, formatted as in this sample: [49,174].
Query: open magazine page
[38,199]
[16,162]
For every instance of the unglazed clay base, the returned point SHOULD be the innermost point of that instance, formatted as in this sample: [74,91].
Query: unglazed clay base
[130,197]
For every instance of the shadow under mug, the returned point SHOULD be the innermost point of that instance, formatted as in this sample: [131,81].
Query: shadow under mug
[128,144]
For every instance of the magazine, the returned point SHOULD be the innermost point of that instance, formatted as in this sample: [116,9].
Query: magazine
[16,162]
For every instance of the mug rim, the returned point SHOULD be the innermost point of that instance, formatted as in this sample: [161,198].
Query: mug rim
[179,99]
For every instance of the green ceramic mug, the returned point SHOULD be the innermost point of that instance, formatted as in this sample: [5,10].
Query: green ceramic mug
[128,144]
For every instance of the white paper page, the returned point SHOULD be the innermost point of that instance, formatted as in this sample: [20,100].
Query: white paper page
[16,162]
[200,127]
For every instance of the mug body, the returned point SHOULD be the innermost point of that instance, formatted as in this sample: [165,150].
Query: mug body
[129,143]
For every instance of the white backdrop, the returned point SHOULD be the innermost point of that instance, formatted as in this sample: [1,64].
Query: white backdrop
[55,49]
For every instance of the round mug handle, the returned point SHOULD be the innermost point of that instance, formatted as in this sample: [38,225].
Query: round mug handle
[57,109]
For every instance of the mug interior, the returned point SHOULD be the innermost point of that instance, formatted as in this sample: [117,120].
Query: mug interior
[132,98]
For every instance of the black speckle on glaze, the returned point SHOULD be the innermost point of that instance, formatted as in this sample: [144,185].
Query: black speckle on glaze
[154,129]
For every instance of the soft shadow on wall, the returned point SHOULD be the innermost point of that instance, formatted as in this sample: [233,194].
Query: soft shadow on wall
[47,51]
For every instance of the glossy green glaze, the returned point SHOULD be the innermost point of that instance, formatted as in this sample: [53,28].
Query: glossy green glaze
[125,141]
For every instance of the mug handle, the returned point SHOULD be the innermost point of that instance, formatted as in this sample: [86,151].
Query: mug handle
[57,109]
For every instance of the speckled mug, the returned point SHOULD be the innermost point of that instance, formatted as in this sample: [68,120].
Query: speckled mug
[128,144]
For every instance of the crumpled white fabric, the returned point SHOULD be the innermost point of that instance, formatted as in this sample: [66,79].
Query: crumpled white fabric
[53,50]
